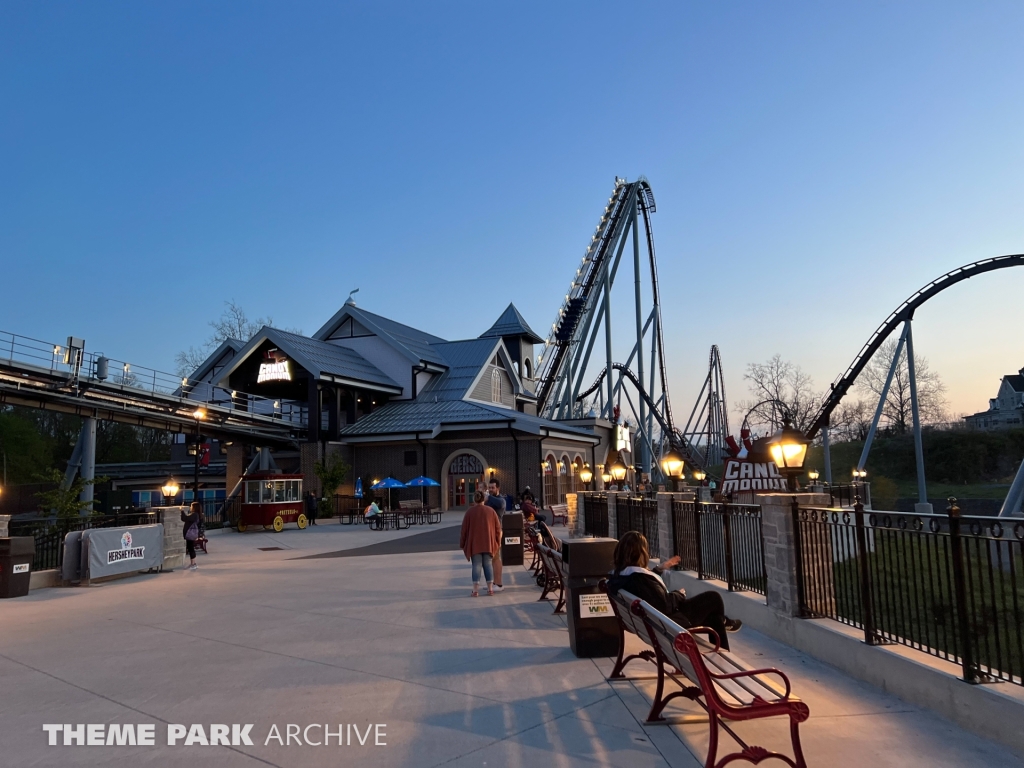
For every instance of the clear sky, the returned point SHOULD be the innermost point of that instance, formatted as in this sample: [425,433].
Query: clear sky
[814,164]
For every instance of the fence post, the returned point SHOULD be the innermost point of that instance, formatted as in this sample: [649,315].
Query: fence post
[866,603]
[960,590]
[697,538]
[799,557]
[727,535]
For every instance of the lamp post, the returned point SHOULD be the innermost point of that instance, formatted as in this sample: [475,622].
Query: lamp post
[788,449]
[586,475]
[616,466]
[170,490]
[699,476]
[672,465]
[606,477]
[198,414]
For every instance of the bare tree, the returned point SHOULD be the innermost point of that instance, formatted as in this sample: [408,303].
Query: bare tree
[233,323]
[778,389]
[897,411]
[850,421]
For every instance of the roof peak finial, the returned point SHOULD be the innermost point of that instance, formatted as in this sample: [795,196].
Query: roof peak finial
[350,301]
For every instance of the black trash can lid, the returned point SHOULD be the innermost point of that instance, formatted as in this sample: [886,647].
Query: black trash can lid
[14,546]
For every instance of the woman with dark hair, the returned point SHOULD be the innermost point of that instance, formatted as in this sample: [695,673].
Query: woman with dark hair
[632,575]
[191,530]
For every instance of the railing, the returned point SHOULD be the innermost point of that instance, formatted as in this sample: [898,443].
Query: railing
[640,515]
[90,366]
[721,541]
[595,515]
[948,585]
[49,533]
[847,494]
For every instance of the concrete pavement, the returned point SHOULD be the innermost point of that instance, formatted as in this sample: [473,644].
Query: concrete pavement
[275,638]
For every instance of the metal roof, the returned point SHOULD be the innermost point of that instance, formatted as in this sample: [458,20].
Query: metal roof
[215,356]
[511,323]
[464,360]
[408,416]
[415,344]
[320,358]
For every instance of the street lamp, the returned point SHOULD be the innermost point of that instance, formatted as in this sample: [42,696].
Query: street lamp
[813,475]
[788,449]
[859,474]
[699,475]
[672,465]
[586,475]
[170,490]
[606,477]
[198,414]
[616,466]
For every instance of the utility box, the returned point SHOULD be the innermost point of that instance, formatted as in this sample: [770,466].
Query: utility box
[593,628]
[16,553]
[512,538]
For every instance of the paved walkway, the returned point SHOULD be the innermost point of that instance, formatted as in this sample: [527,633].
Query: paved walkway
[274,637]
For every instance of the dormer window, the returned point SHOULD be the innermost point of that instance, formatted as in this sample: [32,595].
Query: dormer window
[495,386]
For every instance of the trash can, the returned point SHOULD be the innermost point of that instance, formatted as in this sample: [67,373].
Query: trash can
[512,538]
[16,553]
[593,629]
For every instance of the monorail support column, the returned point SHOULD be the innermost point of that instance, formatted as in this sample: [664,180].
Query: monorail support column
[88,471]
[827,454]
[922,506]
[881,400]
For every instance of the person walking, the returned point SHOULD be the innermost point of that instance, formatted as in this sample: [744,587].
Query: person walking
[311,507]
[479,539]
[496,502]
[192,522]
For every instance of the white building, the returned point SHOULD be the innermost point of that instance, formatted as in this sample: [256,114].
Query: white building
[1006,409]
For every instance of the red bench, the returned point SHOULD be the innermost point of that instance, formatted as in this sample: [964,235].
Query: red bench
[726,687]
[559,514]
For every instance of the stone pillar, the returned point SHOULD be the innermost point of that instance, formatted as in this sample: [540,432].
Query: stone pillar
[577,527]
[174,541]
[571,501]
[780,561]
[665,533]
[4,521]
[613,501]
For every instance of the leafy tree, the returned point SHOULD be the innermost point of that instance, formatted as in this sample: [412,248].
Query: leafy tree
[897,412]
[24,450]
[331,472]
[65,501]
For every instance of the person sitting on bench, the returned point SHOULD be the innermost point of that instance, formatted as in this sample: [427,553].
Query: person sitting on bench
[632,575]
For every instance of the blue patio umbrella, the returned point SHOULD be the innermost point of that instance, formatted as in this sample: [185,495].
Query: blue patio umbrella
[423,482]
[359,487]
[387,483]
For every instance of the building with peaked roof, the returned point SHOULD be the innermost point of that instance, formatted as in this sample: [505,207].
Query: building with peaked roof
[1006,409]
[394,400]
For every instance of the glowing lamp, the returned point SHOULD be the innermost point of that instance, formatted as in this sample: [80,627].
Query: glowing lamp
[672,464]
[586,474]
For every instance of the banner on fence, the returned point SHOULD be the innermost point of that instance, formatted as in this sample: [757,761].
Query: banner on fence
[743,475]
[110,551]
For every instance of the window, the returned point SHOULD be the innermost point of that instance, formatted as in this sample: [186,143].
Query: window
[411,459]
[495,386]
[252,492]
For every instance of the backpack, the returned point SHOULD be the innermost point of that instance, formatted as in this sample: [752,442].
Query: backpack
[192,532]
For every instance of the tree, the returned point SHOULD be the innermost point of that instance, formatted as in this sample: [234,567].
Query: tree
[776,383]
[850,421]
[897,411]
[65,501]
[331,472]
[233,323]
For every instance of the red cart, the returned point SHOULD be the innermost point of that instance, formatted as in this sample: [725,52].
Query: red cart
[271,500]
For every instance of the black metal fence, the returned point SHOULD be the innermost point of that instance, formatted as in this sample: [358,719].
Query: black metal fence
[847,494]
[49,533]
[948,585]
[595,515]
[640,515]
[721,541]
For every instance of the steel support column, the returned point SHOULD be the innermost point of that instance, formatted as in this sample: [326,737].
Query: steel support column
[881,400]
[922,486]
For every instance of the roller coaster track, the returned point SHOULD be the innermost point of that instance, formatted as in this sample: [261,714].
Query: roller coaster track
[901,314]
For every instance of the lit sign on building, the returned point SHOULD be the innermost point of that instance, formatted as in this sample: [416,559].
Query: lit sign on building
[275,369]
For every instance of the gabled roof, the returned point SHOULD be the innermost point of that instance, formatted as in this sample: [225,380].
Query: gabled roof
[1016,381]
[215,356]
[511,323]
[413,343]
[320,358]
[405,417]
[464,360]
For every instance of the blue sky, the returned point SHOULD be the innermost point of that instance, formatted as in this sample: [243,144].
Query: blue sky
[447,158]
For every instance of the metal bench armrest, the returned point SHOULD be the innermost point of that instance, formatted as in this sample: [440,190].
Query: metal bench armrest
[754,673]
[712,636]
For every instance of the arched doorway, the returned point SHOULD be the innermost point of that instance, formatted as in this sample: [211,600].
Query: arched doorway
[550,481]
[465,472]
